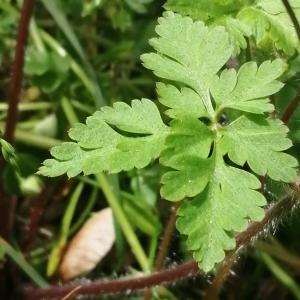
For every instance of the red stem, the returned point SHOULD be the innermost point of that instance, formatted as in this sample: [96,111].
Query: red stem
[117,286]
[17,70]
[36,213]
[292,107]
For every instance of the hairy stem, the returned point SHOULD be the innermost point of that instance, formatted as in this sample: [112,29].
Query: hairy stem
[17,70]
[117,286]
[171,274]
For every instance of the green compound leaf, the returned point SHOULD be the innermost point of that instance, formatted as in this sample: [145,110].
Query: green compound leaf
[265,20]
[259,142]
[99,147]
[187,148]
[237,31]
[216,13]
[188,136]
[202,9]
[225,197]
[206,158]
[208,220]
[268,19]
[176,100]
[188,53]
[248,89]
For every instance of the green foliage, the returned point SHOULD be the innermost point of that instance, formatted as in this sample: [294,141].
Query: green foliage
[99,147]
[8,152]
[259,142]
[8,21]
[248,90]
[48,69]
[19,259]
[139,6]
[216,13]
[204,10]
[18,175]
[262,19]
[224,206]
[268,19]
[206,157]
[140,214]
[194,61]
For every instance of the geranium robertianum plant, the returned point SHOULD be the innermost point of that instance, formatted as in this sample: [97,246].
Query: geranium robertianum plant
[214,165]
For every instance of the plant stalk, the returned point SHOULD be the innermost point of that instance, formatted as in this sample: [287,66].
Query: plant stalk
[17,70]
[292,107]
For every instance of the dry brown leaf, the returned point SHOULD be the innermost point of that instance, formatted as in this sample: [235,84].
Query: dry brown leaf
[88,247]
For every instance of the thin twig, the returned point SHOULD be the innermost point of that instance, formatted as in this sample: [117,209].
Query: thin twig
[117,286]
[17,70]
[36,213]
[292,107]
[293,17]
[164,245]
[166,240]
[171,274]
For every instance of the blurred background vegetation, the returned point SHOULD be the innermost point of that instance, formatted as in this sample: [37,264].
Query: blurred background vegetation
[80,56]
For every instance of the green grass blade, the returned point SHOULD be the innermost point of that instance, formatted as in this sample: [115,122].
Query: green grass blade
[55,10]
[69,113]
[281,275]
[86,212]
[126,227]
[56,252]
[18,258]
[53,6]
[75,67]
